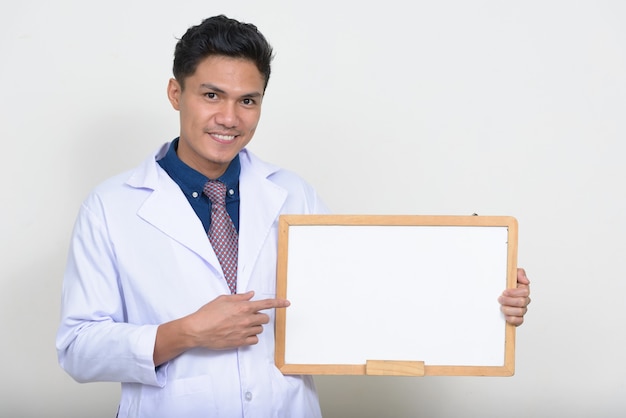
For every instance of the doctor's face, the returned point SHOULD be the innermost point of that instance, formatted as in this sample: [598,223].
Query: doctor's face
[219,108]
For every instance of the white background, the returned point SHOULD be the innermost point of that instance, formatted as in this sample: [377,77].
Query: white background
[393,107]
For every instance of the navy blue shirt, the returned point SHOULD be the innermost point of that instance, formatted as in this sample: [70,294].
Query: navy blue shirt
[191,182]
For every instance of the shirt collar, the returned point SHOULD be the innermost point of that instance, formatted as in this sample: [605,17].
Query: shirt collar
[191,181]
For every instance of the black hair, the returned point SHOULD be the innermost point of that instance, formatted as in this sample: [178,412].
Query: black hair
[220,35]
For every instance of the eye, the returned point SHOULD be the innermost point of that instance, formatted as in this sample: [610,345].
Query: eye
[210,95]
[248,102]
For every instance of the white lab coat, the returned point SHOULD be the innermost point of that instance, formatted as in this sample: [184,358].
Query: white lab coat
[139,257]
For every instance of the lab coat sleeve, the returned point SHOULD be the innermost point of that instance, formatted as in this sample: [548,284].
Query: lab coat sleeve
[319,207]
[94,341]
[301,193]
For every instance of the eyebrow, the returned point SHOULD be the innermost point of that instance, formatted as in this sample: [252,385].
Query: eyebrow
[219,90]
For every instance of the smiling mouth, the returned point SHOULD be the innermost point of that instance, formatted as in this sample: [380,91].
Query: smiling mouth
[225,138]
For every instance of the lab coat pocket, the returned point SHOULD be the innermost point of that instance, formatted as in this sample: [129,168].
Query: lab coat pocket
[189,397]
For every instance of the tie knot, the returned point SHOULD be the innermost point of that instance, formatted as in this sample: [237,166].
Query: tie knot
[216,192]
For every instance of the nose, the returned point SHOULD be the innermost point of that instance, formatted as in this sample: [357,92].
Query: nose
[227,115]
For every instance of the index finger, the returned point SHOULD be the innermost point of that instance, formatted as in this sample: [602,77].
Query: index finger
[259,305]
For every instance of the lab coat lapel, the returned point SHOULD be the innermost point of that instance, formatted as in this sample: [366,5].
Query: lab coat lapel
[168,210]
[260,204]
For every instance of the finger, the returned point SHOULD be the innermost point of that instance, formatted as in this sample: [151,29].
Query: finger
[519,292]
[251,340]
[514,320]
[259,305]
[243,296]
[260,319]
[252,337]
[257,330]
[253,320]
[237,297]
[519,302]
[521,276]
[510,311]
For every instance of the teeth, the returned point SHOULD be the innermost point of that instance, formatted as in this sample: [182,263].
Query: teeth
[225,137]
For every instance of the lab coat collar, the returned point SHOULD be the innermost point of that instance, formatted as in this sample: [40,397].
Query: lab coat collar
[167,209]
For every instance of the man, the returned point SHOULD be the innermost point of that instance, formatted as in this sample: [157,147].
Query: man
[152,302]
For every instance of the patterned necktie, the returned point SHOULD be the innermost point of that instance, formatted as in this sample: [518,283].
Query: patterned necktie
[222,232]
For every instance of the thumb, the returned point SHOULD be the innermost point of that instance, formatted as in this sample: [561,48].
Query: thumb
[244,296]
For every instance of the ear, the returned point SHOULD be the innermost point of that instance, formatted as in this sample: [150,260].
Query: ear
[173,93]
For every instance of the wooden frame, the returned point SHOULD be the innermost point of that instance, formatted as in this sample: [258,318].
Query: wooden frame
[395,295]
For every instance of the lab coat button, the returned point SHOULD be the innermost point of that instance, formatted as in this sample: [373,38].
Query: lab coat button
[248,396]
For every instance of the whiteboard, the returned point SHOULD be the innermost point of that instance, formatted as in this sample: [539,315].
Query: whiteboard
[404,290]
